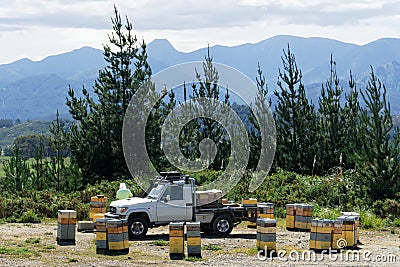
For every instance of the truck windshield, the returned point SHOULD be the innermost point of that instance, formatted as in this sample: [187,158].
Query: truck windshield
[155,191]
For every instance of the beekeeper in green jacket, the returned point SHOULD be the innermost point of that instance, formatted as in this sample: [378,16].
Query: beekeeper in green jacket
[123,192]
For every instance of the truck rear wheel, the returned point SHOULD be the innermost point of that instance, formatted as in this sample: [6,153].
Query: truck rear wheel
[222,225]
[137,228]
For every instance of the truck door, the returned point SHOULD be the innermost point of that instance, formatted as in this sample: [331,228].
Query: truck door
[172,206]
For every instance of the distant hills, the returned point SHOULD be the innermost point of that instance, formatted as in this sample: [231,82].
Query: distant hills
[36,89]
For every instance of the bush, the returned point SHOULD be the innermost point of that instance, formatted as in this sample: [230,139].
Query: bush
[29,216]
[389,208]
[371,221]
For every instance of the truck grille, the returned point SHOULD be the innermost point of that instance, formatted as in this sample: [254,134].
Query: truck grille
[113,209]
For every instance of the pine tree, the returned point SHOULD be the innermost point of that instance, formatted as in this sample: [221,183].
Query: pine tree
[58,144]
[207,87]
[262,105]
[96,138]
[17,173]
[351,114]
[295,120]
[331,122]
[377,155]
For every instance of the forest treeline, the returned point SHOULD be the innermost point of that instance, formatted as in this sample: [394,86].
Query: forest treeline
[356,143]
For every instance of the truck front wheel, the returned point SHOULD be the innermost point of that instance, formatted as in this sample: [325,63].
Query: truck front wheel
[222,225]
[137,228]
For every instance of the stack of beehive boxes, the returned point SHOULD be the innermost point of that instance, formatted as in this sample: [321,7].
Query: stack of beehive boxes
[66,227]
[98,206]
[251,205]
[264,210]
[176,240]
[208,197]
[321,234]
[337,235]
[101,236]
[357,218]
[290,216]
[298,216]
[349,230]
[266,235]
[193,239]
[112,236]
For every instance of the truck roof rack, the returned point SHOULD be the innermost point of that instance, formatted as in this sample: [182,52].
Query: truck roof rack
[171,176]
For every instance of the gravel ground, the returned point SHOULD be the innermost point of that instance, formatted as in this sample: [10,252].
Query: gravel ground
[35,245]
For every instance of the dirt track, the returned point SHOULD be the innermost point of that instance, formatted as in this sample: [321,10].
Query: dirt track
[236,250]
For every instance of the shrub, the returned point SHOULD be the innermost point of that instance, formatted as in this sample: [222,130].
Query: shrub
[29,216]
[371,221]
[389,208]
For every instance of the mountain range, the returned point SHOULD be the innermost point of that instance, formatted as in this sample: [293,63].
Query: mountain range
[36,89]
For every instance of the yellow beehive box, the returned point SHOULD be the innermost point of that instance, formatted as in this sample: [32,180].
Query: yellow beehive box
[176,233]
[175,240]
[101,236]
[194,241]
[116,245]
[249,201]
[322,244]
[335,238]
[266,230]
[98,198]
[66,220]
[176,249]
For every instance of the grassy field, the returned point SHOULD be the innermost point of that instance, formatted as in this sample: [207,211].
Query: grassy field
[7,135]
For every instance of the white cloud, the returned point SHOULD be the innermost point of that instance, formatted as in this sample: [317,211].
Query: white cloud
[188,24]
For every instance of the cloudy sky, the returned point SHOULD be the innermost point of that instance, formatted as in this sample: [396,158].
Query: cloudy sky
[38,28]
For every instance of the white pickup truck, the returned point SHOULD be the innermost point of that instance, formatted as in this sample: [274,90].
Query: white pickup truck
[173,198]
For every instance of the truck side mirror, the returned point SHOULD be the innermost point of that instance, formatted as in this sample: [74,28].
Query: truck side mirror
[167,198]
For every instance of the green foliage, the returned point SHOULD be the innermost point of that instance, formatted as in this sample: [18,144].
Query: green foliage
[388,208]
[29,216]
[326,213]
[6,123]
[57,171]
[377,156]
[332,122]
[95,140]
[32,240]
[371,221]
[295,120]
[7,135]
[16,172]
[26,252]
[160,242]
[396,222]
[211,247]
[193,259]
[31,205]
[29,144]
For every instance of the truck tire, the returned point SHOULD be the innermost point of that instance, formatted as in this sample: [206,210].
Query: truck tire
[137,228]
[222,225]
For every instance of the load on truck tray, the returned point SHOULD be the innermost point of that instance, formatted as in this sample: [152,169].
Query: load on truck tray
[207,197]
